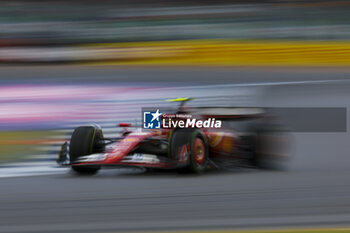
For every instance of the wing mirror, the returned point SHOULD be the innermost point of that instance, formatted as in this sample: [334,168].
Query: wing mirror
[124,125]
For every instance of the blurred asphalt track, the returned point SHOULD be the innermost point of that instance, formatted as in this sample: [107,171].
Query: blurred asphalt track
[313,192]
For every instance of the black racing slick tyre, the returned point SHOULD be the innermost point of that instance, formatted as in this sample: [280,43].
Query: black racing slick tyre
[189,146]
[272,147]
[85,140]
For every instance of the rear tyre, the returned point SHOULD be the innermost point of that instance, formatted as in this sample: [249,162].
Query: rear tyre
[190,147]
[85,140]
[271,147]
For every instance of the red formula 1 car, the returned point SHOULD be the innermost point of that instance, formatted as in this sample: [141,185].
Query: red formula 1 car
[245,137]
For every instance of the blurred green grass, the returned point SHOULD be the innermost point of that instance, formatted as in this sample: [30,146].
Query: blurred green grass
[16,145]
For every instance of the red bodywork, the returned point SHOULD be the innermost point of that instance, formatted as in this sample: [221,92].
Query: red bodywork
[220,143]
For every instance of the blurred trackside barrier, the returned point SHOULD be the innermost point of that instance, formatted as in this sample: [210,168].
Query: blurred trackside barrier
[189,53]
[227,53]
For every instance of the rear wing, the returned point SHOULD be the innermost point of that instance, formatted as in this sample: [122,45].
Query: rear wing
[229,112]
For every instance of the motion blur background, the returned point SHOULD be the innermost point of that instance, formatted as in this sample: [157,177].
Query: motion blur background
[78,35]
[72,62]
[176,32]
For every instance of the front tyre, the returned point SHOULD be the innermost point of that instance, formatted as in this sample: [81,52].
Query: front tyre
[85,140]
